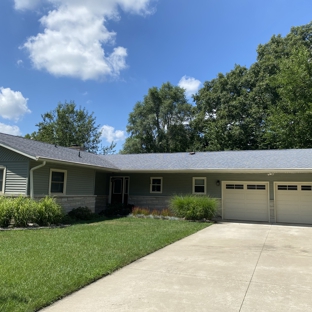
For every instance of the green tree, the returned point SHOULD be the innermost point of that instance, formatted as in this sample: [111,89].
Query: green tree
[229,115]
[109,149]
[160,123]
[289,124]
[239,110]
[68,125]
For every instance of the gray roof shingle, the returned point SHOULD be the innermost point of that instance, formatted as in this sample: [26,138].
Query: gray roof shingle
[37,150]
[292,159]
[226,160]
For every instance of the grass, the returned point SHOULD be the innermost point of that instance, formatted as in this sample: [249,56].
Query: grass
[37,267]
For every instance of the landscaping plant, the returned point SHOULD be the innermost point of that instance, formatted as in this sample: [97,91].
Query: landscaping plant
[194,207]
[21,211]
[81,213]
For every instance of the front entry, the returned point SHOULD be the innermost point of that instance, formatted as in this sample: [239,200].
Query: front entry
[119,190]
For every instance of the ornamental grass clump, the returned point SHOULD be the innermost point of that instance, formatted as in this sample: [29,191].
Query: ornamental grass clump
[22,211]
[6,211]
[140,211]
[194,207]
[48,211]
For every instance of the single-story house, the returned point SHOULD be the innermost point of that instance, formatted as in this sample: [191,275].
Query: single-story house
[261,185]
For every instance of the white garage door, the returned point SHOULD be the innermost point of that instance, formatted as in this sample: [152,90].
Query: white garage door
[245,201]
[293,202]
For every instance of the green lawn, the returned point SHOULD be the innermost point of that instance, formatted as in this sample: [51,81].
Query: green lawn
[39,266]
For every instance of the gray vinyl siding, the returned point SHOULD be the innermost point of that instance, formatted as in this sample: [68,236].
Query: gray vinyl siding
[16,178]
[7,155]
[80,181]
[181,183]
[16,172]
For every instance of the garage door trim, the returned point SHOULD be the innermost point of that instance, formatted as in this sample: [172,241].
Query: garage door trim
[266,183]
[289,183]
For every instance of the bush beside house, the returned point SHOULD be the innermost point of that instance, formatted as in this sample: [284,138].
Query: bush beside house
[194,207]
[21,211]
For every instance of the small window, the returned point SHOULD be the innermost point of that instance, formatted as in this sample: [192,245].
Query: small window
[287,187]
[234,186]
[156,185]
[58,181]
[117,186]
[1,180]
[199,185]
[255,187]
[306,188]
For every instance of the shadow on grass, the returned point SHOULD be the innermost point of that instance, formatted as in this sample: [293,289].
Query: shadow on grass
[12,298]
[95,219]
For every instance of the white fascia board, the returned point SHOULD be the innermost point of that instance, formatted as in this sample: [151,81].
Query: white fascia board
[18,152]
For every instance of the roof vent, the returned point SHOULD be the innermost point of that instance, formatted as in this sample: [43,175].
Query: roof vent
[192,153]
[77,147]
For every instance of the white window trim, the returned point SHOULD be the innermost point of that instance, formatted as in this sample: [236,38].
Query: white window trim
[151,185]
[3,181]
[193,186]
[65,182]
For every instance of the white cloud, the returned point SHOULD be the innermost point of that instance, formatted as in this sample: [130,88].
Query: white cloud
[73,38]
[9,129]
[110,134]
[25,4]
[190,84]
[13,105]
[19,62]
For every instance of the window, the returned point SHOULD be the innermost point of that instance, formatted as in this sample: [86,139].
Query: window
[199,185]
[58,181]
[234,186]
[1,180]
[117,186]
[255,187]
[306,188]
[287,187]
[156,185]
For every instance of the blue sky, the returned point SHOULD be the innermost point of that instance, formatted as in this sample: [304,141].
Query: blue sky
[106,54]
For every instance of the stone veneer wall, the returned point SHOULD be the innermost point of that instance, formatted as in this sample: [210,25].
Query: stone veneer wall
[150,202]
[70,202]
[101,203]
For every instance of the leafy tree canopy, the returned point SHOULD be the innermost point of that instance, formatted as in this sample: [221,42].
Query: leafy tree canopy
[160,123]
[68,125]
[264,106]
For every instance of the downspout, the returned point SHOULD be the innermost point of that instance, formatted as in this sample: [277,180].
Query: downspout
[32,178]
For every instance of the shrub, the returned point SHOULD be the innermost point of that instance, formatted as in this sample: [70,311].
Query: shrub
[6,211]
[116,209]
[142,211]
[48,211]
[166,212]
[193,207]
[155,212]
[24,211]
[81,213]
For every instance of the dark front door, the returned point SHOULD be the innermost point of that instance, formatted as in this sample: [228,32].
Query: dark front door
[119,190]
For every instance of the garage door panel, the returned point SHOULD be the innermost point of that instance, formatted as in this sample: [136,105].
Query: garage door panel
[245,201]
[294,206]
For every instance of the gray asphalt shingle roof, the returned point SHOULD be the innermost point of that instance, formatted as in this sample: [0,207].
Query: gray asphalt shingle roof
[227,160]
[42,150]
[232,160]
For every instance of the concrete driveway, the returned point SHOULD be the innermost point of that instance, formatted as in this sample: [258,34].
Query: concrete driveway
[226,267]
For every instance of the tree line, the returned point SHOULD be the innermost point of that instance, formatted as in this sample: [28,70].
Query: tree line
[265,106]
